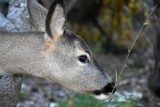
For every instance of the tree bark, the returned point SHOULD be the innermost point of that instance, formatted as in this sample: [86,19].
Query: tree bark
[154,78]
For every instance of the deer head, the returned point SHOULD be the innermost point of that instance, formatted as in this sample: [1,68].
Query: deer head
[58,54]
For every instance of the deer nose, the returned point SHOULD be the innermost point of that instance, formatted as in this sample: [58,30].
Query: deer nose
[109,88]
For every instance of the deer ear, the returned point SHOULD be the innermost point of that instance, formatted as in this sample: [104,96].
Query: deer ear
[38,14]
[55,21]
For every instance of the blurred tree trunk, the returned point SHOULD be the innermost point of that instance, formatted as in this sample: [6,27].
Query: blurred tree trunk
[17,19]
[154,79]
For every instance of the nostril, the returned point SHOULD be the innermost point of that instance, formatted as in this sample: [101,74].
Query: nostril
[97,92]
[113,84]
[110,87]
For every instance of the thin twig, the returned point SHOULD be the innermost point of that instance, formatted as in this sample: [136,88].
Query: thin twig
[108,102]
[139,33]
[116,75]
[129,51]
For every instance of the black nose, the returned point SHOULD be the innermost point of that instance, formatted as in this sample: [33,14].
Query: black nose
[109,88]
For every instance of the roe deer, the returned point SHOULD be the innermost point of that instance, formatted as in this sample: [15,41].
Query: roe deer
[53,53]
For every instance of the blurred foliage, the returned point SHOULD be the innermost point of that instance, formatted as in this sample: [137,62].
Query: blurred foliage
[82,101]
[88,101]
[24,96]
[121,19]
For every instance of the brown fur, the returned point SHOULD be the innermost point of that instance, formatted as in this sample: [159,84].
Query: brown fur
[51,43]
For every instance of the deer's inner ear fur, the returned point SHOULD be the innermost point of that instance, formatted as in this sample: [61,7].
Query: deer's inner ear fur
[50,43]
[55,21]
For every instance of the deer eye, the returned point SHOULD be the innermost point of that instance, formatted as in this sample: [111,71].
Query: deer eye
[83,59]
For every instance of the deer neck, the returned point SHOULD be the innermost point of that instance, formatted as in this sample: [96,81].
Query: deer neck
[22,55]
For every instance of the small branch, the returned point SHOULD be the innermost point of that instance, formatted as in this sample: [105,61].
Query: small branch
[129,51]
[131,48]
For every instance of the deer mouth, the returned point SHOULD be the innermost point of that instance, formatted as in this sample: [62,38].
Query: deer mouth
[104,93]
[100,95]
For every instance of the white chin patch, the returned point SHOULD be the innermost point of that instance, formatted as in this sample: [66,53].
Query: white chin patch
[101,97]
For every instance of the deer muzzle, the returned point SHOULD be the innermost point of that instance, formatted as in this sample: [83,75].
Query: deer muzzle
[105,92]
